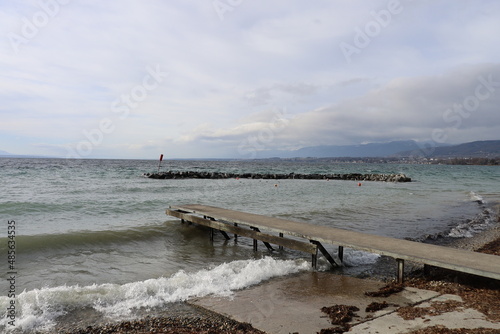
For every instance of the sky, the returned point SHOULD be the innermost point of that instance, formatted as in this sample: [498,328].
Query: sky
[236,78]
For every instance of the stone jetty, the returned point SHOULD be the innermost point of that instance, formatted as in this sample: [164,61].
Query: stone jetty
[270,176]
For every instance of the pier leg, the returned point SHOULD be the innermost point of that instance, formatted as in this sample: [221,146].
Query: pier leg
[235,235]
[224,234]
[280,247]
[427,270]
[268,245]
[325,253]
[211,234]
[254,240]
[314,261]
[341,253]
[401,270]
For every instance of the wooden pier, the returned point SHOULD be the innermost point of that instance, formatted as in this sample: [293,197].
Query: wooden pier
[265,228]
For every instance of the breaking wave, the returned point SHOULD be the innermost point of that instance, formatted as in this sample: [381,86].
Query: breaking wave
[39,309]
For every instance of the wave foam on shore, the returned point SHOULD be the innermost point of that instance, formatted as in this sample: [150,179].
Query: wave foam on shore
[39,309]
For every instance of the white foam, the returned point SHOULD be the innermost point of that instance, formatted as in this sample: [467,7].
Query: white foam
[354,258]
[39,308]
[476,198]
[474,226]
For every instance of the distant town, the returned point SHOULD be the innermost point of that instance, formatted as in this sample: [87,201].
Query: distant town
[406,152]
[403,160]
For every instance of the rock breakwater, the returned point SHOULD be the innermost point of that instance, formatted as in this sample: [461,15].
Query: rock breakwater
[270,176]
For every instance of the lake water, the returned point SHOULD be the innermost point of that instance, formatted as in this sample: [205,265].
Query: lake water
[93,234]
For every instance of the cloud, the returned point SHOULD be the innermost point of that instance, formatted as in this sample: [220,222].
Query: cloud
[225,77]
[404,108]
[265,95]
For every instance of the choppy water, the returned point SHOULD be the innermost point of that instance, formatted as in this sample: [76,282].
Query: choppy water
[94,234]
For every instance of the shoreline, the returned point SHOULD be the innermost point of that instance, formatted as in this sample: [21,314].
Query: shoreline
[479,240]
[482,295]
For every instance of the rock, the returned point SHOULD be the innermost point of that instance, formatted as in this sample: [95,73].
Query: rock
[218,175]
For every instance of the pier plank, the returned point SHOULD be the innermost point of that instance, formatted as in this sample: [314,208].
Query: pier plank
[485,265]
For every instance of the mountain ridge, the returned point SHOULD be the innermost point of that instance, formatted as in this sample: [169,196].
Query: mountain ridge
[397,149]
[475,149]
[393,149]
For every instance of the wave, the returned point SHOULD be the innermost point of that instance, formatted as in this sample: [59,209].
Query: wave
[84,206]
[476,198]
[473,226]
[354,258]
[33,243]
[39,309]
[477,224]
[15,208]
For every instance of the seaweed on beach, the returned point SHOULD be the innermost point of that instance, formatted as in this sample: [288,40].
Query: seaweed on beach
[386,291]
[333,330]
[492,248]
[485,299]
[374,307]
[340,314]
[436,308]
[443,330]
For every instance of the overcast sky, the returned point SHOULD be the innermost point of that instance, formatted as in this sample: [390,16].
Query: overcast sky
[231,78]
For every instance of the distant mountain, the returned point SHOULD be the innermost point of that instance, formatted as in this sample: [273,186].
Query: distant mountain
[2,153]
[355,151]
[396,149]
[5,154]
[481,149]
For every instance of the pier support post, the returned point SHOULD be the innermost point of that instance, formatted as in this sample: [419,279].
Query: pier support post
[401,270]
[427,270]
[341,253]
[224,234]
[280,247]
[268,245]
[325,253]
[254,240]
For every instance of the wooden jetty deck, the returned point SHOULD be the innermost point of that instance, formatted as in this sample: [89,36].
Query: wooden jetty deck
[250,225]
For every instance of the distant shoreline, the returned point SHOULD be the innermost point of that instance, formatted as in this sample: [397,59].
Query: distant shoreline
[409,160]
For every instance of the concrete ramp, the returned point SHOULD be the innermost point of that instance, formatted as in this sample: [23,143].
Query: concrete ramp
[293,305]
